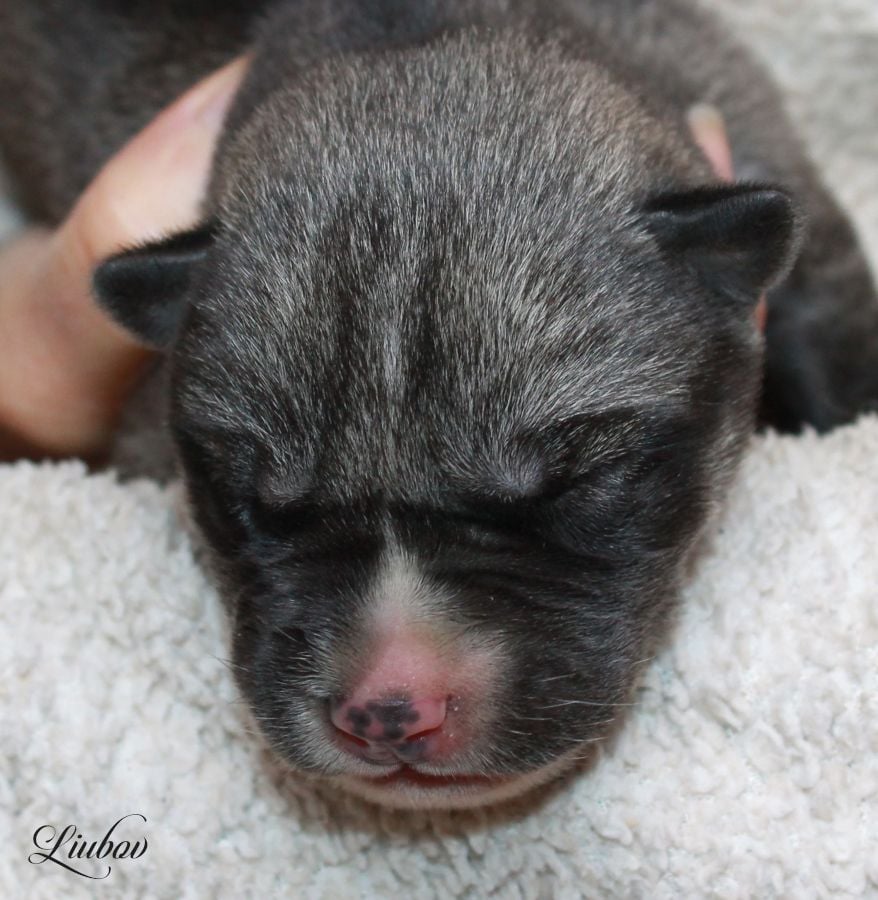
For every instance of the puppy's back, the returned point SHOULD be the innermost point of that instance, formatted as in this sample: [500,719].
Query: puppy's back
[78,79]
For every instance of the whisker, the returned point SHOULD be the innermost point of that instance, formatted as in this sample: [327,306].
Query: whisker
[229,664]
[645,659]
[573,702]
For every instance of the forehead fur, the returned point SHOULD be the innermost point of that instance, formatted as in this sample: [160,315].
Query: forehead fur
[433,258]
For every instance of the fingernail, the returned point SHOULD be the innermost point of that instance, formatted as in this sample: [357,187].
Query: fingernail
[708,128]
[705,115]
[209,100]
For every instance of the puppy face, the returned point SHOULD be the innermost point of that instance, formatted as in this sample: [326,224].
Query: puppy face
[452,404]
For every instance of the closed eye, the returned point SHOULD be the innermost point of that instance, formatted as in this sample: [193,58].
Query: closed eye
[283,518]
[613,468]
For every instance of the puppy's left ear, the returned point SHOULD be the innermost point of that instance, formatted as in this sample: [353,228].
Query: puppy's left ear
[145,289]
[740,240]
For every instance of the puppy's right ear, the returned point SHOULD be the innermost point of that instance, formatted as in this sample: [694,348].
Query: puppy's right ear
[740,239]
[145,289]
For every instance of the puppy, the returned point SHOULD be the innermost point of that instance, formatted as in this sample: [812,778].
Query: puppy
[464,354]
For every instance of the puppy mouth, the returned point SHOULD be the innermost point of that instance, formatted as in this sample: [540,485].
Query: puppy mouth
[408,777]
[409,787]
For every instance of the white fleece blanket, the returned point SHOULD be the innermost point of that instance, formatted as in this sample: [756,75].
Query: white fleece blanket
[748,768]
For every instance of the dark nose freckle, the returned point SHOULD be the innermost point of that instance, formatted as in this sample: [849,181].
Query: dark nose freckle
[393,715]
[360,720]
[390,728]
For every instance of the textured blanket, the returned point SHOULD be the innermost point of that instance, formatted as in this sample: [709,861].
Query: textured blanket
[748,766]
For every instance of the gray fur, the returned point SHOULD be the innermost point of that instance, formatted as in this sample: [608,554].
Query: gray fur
[442,315]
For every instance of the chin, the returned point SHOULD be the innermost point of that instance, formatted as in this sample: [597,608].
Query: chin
[409,788]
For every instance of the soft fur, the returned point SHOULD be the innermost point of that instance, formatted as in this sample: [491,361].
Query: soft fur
[782,803]
[467,315]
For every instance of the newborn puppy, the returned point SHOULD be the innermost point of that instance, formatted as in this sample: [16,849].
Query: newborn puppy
[465,352]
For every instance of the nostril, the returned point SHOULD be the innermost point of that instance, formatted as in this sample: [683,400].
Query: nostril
[352,738]
[424,732]
[388,721]
[349,721]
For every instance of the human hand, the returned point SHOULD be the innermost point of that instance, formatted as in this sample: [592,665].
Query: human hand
[65,366]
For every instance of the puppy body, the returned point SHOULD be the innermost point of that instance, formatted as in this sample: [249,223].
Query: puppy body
[464,355]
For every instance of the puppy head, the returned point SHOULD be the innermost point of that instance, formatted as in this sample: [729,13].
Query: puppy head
[459,371]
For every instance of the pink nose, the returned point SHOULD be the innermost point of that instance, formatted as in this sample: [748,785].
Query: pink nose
[390,729]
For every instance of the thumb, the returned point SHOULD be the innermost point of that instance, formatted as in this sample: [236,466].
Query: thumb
[709,130]
[66,366]
[153,186]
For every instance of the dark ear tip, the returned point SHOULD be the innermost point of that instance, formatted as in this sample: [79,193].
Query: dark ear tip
[108,282]
[144,289]
[743,236]
[135,298]
[777,218]
[773,203]
[786,219]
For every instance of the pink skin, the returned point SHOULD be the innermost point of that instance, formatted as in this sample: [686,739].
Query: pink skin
[393,729]
[418,705]
[415,711]
[401,709]
[417,717]
[65,367]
